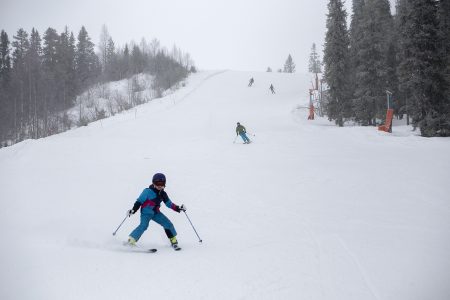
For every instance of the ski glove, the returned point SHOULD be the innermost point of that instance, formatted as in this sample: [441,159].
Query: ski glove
[180,208]
[134,209]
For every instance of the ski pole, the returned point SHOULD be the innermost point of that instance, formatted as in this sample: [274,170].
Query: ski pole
[235,139]
[114,233]
[199,239]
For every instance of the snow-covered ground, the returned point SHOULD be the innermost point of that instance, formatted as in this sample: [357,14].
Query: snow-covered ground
[307,211]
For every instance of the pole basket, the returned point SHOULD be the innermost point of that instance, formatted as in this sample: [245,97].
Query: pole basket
[387,127]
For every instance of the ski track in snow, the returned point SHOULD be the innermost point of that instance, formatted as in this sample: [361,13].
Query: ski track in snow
[306,211]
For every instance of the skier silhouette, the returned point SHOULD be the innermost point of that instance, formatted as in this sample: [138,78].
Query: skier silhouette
[272,89]
[251,81]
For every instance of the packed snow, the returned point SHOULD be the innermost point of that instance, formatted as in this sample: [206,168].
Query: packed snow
[306,211]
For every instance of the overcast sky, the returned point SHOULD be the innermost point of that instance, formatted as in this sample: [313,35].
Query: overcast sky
[229,34]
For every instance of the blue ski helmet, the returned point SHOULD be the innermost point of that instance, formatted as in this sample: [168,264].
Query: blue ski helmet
[159,177]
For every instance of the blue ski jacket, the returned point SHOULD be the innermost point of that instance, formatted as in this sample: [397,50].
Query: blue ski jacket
[150,201]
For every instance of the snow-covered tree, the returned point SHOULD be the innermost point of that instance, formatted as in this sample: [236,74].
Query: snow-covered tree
[444,22]
[103,46]
[289,65]
[370,46]
[336,61]
[6,106]
[87,63]
[422,68]
[315,65]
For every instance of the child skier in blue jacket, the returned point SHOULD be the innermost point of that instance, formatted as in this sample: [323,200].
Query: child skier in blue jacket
[150,201]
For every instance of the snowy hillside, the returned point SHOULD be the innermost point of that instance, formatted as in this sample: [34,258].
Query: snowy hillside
[307,211]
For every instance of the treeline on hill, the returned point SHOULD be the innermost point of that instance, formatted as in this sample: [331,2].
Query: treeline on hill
[40,78]
[407,53]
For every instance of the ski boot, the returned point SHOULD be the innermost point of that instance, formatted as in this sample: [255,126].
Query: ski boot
[131,242]
[174,243]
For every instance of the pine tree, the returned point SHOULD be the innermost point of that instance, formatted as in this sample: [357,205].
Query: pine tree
[112,67]
[422,69]
[5,58]
[137,60]
[103,45]
[289,65]
[370,60]
[314,61]
[19,81]
[336,61]
[50,59]
[404,69]
[65,53]
[125,68]
[87,64]
[444,25]
[34,62]
[356,34]
[6,107]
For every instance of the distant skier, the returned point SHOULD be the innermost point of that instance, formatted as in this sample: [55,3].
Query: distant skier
[240,130]
[149,201]
[251,81]
[272,89]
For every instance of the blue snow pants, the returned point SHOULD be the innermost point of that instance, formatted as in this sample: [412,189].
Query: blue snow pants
[159,218]
[244,137]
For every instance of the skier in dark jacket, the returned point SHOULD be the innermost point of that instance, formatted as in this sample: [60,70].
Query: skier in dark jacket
[149,202]
[240,130]
[272,89]
[251,81]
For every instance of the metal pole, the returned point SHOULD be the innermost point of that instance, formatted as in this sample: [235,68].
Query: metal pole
[114,233]
[388,96]
[199,239]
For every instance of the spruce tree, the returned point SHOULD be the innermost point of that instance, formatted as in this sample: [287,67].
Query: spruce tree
[112,67]
[314,61]
[444,25]
[336,61]
[5,58]
[6,107]
[125,68]
[356,34]
[50,60]
[404,69]
[87,64]
[371,43]
[65,53]
[137,62]
[289,65]
[422,69]
[34,61]
[20,82]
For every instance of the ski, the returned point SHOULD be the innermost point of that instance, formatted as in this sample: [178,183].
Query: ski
[138,249]
[141,250]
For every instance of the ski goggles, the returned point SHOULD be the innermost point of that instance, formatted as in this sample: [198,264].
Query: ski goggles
[159,183]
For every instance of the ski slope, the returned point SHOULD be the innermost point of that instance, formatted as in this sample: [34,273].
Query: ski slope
[307,211]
